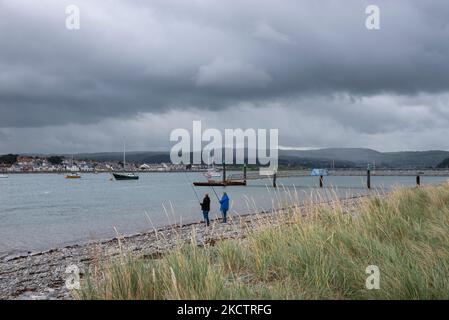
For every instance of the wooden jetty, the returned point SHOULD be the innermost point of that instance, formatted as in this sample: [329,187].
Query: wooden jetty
[240,179]
[369,173]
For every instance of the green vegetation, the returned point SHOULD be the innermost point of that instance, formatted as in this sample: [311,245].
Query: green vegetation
[444,164]
[320,256]
[9,159]
[55,160]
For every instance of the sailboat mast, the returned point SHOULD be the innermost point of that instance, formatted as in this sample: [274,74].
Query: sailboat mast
[124,153]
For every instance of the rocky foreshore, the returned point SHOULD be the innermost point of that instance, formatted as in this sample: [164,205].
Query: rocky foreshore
[43,275]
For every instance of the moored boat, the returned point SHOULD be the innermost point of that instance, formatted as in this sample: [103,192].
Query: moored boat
[124,175]
[215,183]
[212,173]
[73,175]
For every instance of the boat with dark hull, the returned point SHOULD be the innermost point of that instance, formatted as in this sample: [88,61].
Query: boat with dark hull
[213,183]
[125,176]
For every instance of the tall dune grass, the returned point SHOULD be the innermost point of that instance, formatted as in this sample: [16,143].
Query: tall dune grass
[319,255]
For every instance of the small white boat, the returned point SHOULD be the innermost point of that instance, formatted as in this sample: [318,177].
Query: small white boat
[73,175]
[212,173]
[4,176]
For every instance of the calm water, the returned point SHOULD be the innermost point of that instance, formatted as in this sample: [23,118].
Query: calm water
[41,211]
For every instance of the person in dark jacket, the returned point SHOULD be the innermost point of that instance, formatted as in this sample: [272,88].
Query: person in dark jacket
[224,206]
[205,207]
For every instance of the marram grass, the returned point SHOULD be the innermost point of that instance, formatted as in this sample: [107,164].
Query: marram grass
[322,255]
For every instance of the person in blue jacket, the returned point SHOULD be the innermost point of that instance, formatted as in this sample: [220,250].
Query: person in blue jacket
[224,206]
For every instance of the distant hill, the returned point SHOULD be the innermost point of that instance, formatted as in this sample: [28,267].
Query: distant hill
[339,157]
[132,156]
[362,156]
[356,155]
[444,164]
[416,158]
[292,161]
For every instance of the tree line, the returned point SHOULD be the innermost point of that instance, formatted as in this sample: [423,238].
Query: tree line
[11,159]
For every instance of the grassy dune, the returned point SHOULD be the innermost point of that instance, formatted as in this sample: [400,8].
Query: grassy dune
[322,255]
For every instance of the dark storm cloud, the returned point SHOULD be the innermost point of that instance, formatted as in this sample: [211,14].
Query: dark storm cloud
[157,56]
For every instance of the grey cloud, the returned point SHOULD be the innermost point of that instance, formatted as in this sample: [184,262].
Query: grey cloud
[265,31]
[165,57]
[233,75]
[300,124]
[154,56]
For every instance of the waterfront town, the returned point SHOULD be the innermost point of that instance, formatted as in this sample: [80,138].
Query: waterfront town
[36,164]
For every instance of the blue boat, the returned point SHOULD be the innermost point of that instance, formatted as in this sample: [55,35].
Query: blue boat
[319,172]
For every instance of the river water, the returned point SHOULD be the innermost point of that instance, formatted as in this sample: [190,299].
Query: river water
[42,211]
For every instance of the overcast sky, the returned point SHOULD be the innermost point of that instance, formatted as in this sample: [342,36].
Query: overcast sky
[142,68]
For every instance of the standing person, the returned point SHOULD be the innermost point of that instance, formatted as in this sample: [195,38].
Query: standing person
[224,206]
[205,207]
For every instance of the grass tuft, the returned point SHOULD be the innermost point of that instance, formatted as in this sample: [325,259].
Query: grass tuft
[320,255]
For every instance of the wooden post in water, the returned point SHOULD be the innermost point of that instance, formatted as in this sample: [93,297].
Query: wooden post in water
[368,178]
[418,180]
[224,172]
[274,180]
[321,181]
[244,173]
